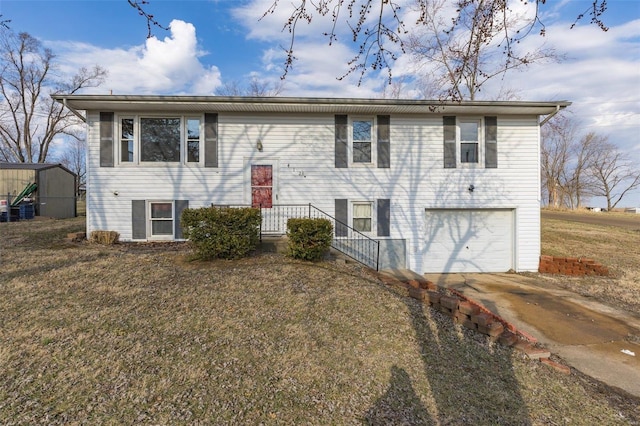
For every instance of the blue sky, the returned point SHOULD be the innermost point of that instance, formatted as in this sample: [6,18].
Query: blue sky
[215,42]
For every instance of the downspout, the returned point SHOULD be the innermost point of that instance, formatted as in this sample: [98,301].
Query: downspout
[75,112]
[550,116]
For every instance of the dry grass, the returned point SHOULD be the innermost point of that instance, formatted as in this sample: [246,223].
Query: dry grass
[104,237]
[615,247]
[124,334]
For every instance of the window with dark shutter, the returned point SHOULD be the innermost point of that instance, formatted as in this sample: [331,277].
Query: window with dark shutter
[449,141]
[341,141]
[342,217]
[384,217]
[106,139]
[491,142]
[180,206]
[384,141]
[211,140]
[139,219]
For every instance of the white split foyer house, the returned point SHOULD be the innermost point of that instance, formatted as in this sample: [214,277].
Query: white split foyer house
[438,186]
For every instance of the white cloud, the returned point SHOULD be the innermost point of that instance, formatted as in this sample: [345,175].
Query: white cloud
[168,66]
[601,76]
[318,66]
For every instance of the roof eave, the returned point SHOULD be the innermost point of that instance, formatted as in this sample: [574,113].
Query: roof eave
[126,103]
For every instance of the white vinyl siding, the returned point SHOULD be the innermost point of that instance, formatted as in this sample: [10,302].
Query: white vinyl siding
[301,147]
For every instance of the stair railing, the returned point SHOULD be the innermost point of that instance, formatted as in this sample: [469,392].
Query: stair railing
[346,239]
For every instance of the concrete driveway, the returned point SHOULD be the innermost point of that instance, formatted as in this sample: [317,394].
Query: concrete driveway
[588,335]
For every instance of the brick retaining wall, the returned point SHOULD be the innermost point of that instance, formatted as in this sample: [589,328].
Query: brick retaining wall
[474,316]
[573,266]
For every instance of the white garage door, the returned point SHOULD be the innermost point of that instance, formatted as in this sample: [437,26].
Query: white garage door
[469,240]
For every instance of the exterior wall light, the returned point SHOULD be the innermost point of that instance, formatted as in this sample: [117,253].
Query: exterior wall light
[471,188]
[259,145]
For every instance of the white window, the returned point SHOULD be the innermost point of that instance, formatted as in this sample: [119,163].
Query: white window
[159,139]
[192,132]
[127,141]
[172,139]
[161,220]
[469,137]
[470,142]
[362,216]
[362,134]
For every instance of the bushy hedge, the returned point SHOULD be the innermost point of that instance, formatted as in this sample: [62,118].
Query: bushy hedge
[309,239]
[222,233]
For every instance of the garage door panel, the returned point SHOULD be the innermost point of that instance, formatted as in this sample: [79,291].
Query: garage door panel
[468,240]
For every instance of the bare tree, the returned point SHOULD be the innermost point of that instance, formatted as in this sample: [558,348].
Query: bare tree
[377,26]
[139,5]
[614,173]
[460,58]
[380,32]
[575,167]
[557,136]
[394,90]
[29,118]
[256,88]
[579,181]
[74,159]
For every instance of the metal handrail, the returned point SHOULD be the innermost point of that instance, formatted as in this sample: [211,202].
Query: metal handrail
[369,256]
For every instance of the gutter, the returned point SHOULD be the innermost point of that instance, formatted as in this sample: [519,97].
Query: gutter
[550,116]
[74,111]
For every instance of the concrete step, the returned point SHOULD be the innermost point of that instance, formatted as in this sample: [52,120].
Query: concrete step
[274,244]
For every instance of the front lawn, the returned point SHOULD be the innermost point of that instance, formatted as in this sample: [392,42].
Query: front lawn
[136,334]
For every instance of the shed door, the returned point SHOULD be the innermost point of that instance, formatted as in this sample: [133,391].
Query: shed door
[467,240]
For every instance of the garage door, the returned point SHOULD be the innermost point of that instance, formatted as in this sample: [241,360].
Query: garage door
[469,240]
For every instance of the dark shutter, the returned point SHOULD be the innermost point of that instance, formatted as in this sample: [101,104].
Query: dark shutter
[449,130]
[138,219]
[342,141]
[211,140]
[179,206]
[342,217]
[384,141]
[491,142]
[384,217]
[106,139]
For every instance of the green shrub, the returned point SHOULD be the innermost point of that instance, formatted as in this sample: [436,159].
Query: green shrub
[223,233]
[309,239]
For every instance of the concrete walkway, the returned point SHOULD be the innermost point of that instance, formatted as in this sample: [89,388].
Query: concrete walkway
[588,335]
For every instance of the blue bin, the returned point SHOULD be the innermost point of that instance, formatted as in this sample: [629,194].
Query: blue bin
[27,211]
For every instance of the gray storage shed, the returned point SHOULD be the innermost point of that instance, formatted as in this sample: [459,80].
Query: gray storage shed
[56,187]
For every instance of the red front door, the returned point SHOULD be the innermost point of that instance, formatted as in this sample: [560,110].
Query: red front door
[261,186]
